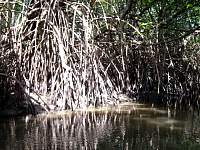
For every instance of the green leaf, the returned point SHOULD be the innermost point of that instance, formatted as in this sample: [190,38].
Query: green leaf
[189,5]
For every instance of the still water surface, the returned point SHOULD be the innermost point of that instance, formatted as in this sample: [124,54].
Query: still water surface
[128,127]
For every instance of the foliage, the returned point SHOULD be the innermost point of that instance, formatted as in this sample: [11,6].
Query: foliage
[75,54]
[161,39]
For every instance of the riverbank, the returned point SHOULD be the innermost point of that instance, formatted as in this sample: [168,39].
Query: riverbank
[12,110]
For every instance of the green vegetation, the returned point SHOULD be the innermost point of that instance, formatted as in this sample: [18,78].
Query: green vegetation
[67,55]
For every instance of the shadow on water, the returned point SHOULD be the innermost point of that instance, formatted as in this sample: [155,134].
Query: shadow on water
[127,127]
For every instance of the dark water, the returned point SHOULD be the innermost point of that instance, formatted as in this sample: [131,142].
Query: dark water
[124,128]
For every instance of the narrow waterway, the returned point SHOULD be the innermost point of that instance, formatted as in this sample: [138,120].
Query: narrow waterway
[127,127]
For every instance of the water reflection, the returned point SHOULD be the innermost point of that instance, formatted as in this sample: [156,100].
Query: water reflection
[141,128]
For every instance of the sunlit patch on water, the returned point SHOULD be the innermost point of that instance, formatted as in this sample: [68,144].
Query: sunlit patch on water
[125,126]
[166,122]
